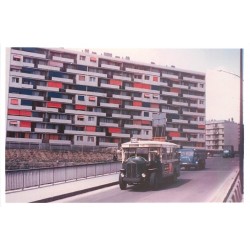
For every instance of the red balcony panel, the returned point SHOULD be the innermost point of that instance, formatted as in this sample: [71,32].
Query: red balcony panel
[155,78]
[174,134]
[13,112]
[201,126]
[55,64]
[55,85]
[80,107]
[25,113]
[137,122]
[90,128]
[115,82]
[93,59]
[25,124]
[53,137]
[54,105]
[141,85]
[114,130]
[145,122]
[175,90]
[115,101]
[137,103]
[154,105]
[14,101]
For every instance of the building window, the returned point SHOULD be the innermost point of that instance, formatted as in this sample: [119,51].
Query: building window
[201,119]
[14,101]
[201,85]
[201,102]
[82,58]
[91,118]
[80,118]
[146,132]
[91,139]
[92,79]
[146,114]
[13,123]
[15,79]
[146,77]
[79,138]
[17,58]
[81,78]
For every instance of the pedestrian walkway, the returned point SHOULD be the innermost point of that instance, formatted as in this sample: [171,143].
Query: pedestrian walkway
[61,190]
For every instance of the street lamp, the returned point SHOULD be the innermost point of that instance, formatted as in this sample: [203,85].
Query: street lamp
[241,146]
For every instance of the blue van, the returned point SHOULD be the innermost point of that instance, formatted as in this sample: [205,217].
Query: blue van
[190,157]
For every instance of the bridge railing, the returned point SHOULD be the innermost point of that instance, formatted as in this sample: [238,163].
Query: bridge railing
[29,178]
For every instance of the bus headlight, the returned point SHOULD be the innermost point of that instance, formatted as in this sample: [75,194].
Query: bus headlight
[143,175]
[122,175]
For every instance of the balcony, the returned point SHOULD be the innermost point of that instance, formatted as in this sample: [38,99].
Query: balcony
[22,64]
[142,90]
[27,75]
[30,54]
[197,122]
[133,126]
[87,81]
[108,144]
[61,100]
[196,131]
[169,93]
[137,117]
[190,79]
[171,129]
[120,135]
[60,142]
[169,76]
[180,121]
[122,97]
[121,116]
[47,88]
[62,59]
[185,104]
[18,129]
[25,118]
[109,105]
[80,92]
[60,79]
[44,109]
[110,86]
[29,97]
[193,113]
[123,78]
[141,108]
[197,105]
[21,85]
[170,111]
[108,66]
[180,86]
[24,140]
[197,89]
[143,137]
[197,140]
[46,130]
[47,67]
[109,124]
[21,107]
[193,96]
[61,121]
[144,72]
[179,138]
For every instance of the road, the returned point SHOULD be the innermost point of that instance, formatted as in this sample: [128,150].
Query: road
[191,186]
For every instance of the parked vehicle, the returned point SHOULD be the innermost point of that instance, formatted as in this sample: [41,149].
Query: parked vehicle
[149,163]
[190,157]
[228,151]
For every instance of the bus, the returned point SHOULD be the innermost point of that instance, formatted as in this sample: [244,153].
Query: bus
[190,157]
[149,163]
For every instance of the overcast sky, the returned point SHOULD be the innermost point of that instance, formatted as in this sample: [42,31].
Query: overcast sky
[222,89]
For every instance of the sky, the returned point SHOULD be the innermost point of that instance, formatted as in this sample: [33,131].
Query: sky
[222,89]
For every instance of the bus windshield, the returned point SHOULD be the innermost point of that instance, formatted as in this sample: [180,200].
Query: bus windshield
[147,153]
[187,153]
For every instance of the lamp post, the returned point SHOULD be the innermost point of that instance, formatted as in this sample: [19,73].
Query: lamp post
[241,144]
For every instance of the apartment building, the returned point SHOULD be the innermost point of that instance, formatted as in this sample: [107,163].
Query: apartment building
[220,133]
[66,97]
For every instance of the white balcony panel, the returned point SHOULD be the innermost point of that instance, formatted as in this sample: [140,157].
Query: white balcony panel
[141,108]
[23,140]
[25,118]
[94,133]
[62,59]
[25,53]
[197,105]
[180,121]
[144,72]
[108,144]
[170,111]
[142,118]
[47,109]
[29,97]
[18,129]
[137,126]
[60,79]
[19,107]
[45,130]
[47,67]
[143,137]
[61,121]
[172,129]
[143,90]
[85,123]
[76,71]
[88,73]
[169,76]
[180,103]
[22,64]
[107,66]
[87,81]
[48,88]
[193,113]
[74,132]
[53,99]
[193,79]
[198,89]
[169,93]
[123,78]
[122,97]
[121,116]
[180,86]
[197,122]
[150,100]
[81,112]
[109,105]
[196,131]
[110,86]
[120,135]
[193,96]
[179,139]
[60,142]
[79,92]
[106,124]
[197,140]
[20,85]
[26,75]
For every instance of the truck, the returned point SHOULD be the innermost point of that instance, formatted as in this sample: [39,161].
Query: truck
[191,157]
[228,151]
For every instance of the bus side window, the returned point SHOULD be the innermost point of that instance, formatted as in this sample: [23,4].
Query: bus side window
[169,153]
[164,154]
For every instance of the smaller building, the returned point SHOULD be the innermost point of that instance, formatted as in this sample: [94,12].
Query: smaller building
[221,133]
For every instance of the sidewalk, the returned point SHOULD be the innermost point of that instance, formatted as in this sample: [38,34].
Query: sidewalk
[61,190]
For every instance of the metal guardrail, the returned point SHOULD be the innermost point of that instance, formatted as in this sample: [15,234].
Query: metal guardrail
[28,178]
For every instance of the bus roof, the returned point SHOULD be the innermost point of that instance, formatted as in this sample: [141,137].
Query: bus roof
[158,144]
